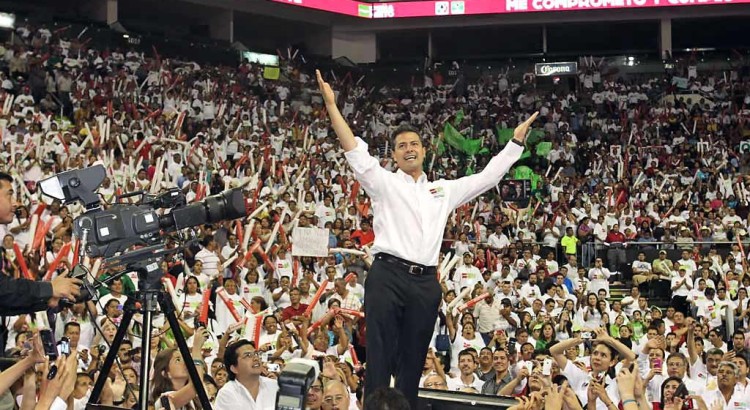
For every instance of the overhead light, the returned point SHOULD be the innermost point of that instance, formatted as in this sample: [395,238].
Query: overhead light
[631,58]
[7,20]
[125,36]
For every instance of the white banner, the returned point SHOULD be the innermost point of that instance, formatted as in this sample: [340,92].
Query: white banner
[310,242]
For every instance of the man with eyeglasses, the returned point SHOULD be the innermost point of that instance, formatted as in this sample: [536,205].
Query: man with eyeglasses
[246,388]
[335,396]
[314,399]
[435,382]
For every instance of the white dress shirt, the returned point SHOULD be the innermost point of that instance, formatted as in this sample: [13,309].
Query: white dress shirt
[409,216]
[235,396]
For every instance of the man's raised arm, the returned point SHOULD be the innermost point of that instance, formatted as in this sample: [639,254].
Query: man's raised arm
[346,137]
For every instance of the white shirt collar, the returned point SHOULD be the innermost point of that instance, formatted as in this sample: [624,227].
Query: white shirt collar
[421,180]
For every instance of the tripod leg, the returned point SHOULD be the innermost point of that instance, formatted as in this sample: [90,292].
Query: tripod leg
[111,356]
[168,309]
[145,359]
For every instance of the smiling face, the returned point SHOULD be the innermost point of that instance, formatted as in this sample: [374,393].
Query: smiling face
[409,153]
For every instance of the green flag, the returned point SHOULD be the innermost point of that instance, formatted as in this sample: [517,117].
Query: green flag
[466,145]
[543,148]
[453,137]
[504,135]
[459,118]
[522,172]
[535,136]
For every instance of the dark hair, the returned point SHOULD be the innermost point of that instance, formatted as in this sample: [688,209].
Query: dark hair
[465,352]
[664,384]
[161,383]
[9,179]
[230,356]
[69,325]
[403,128]
[386,398]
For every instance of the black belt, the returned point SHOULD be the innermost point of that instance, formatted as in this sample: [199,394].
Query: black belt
[411,267]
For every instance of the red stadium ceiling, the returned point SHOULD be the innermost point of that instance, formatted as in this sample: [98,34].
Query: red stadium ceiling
[446,8]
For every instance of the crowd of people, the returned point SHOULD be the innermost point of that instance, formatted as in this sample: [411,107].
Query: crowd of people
[526,306]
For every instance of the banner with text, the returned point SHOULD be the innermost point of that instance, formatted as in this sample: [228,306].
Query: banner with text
[310,242]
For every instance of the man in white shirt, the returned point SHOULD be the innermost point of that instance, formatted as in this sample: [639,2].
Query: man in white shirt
[410,214]
[498,240]
[681,287]
[726,396]
[467,378]
[530,291]
[467,275]
[208,255]
[246,388]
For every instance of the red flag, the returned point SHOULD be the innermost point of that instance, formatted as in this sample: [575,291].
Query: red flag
[58,259]
[203,318]
[22,262]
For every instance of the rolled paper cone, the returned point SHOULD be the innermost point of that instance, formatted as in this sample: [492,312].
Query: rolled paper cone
[295,271]
[557,174]
[227,263]
[22,262]
[256,330]
[32,227]
[352,312]
[252,250]
[449,266]
[239,231]
[55,263]
[445,262]
[76,250]
[685,128]
[349,276]
[352,352]
[41,234]
[316,298]
[474,211]
[95,268]
[248,234]
[222,293]
[170,290]
[742,249]
[459,298]
[620,197]
[549,169]
[203,317]
[473,302]
[264,255]
[274,233]
[316,325]
[246,304]
[346,250]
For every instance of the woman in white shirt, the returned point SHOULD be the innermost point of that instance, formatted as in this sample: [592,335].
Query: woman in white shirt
[191,300]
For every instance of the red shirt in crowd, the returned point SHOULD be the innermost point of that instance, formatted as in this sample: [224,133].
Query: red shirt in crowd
[613,237]
[290,312]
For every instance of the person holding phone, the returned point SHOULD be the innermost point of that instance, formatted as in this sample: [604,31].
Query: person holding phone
[598,387]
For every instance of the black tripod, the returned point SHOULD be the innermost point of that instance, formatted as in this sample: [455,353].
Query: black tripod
[150,296]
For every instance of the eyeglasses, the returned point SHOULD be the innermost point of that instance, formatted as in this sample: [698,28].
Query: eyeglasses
[434,385]
[334,399]
[250,355]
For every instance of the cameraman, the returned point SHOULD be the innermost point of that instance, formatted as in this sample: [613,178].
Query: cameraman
[18,296]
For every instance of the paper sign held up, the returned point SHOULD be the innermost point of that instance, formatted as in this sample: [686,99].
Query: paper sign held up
[310,242]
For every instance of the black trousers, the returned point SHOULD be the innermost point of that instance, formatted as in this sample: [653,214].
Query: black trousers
[400,313]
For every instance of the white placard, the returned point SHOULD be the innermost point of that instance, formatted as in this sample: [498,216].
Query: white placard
[310,242]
